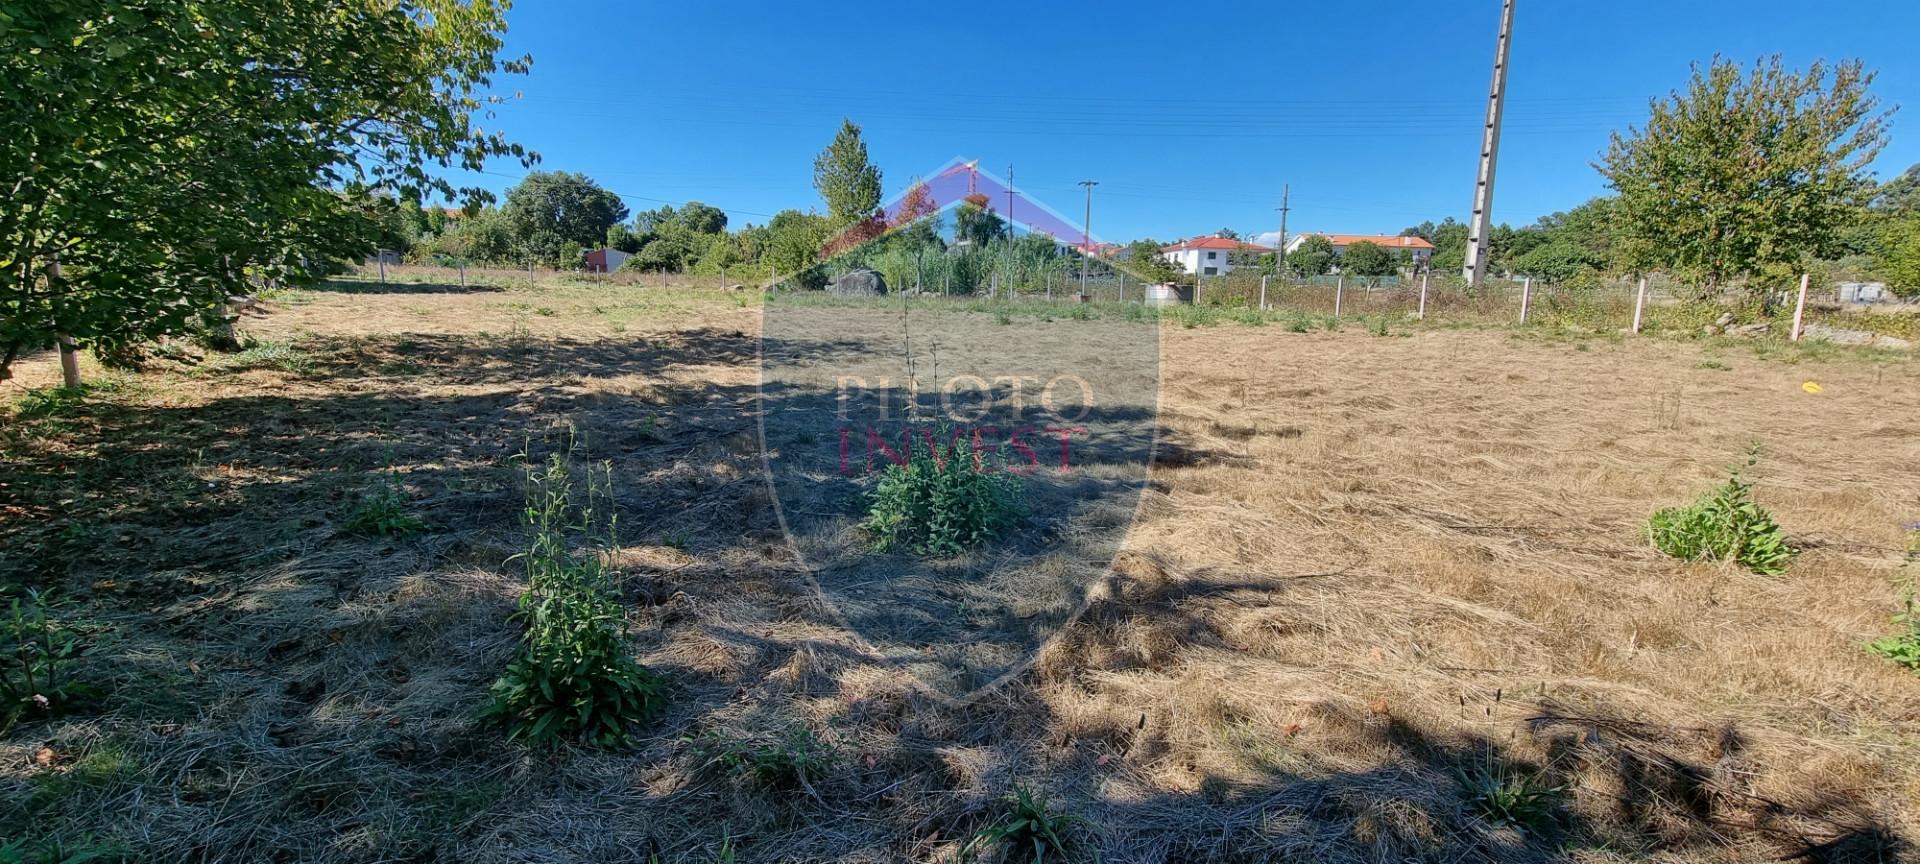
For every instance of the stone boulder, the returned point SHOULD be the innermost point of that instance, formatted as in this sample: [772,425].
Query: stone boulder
[858,283]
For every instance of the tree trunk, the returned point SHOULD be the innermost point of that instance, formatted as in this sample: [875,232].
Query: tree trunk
[69,351]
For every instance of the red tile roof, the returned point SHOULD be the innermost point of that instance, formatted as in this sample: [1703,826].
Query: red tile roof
[1391,242]
[1212,243]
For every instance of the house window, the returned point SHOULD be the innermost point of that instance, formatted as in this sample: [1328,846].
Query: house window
[1212,255]
[1213,271]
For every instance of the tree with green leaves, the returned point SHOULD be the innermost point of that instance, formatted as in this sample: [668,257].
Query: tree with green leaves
[549,209]
[1313,257]
[1369,259]
[280,119]
[1746,173]
[1144,260]
[1897,257]
[285,123]
[845,179]
[703,218]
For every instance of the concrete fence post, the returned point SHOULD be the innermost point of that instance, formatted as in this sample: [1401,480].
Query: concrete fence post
[1800,305]
[1423,295]
[1526,298]
[1639,304]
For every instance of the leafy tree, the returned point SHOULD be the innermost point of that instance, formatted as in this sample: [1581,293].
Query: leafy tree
[1901,194]
[167,155]
[1449,239]
[722,253]
[793,241]
[621,237]
[552,208]
[1228,233]
[845,179]
[974,223]
[1557,261]
[1746,173]
[1314,256]
[1898,256]
[1144,261]
[1368,259]
[703,218]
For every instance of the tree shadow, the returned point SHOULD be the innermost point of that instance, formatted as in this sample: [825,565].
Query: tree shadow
[287,690]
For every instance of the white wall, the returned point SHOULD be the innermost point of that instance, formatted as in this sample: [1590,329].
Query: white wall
[1193,261]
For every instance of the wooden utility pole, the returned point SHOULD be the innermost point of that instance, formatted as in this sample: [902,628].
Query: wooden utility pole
[1479,230]
[1086,238]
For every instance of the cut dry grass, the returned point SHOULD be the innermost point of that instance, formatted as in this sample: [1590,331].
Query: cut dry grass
[1367,566]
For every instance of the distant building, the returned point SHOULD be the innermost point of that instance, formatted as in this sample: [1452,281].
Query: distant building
[1416,248]
[1207,256]
[605,260]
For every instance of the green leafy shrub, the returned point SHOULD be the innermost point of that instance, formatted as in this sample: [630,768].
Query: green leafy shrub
[571,678]
[37,656]
[1509,798]
[1725,524]
[945,500]
[383,511]
[1903,649]
[1029,830]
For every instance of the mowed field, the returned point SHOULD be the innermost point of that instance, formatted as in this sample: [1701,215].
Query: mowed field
[1367,572]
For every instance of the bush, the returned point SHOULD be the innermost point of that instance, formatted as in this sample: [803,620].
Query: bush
[945,500]
[37,655]
[382,511]
[571,679]
[1904,649]
[1027,831]
[1724,525]
[1509,798]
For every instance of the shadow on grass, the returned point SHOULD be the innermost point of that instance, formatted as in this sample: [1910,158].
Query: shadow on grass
[285,691]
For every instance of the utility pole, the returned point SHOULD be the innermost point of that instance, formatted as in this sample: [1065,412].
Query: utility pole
[1086,239]
[1480,228]
[1280,249]
[1009,200]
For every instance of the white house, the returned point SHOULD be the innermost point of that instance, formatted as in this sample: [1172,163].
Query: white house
[1206,256]
[1417,249]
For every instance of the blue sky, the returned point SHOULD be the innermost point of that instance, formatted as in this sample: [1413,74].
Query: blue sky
[1191,117]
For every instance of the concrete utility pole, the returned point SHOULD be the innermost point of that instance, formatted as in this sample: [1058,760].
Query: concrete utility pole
[1086,238]
[1009,200]
[1280,249]
[1480,228]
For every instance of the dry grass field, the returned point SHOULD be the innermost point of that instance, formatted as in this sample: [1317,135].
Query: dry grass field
[1368,574]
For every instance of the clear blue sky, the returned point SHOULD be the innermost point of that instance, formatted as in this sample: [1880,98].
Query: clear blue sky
[1190,116]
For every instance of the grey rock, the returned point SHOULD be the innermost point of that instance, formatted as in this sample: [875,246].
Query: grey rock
[1893,342]
[1836,335]
[858,283]
[1751,330]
